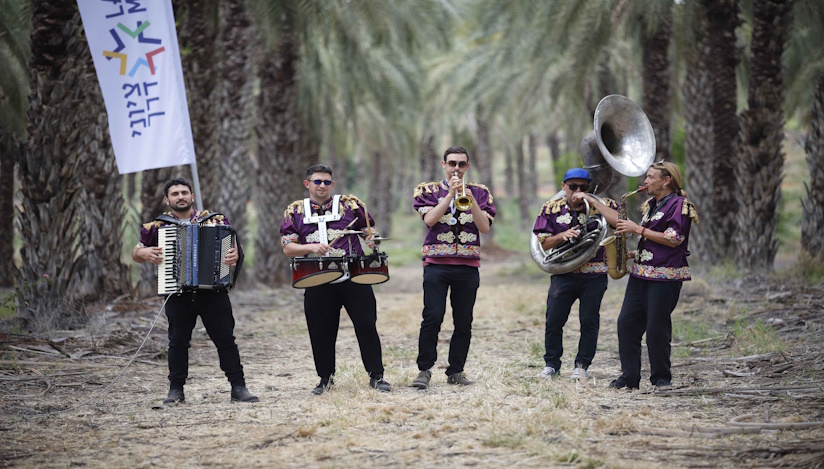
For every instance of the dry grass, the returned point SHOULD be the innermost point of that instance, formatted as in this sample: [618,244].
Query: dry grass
[509,418]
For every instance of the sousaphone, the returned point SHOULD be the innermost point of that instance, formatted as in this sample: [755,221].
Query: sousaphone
[622,141]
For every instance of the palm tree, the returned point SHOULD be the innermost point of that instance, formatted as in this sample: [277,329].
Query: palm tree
[197,35]
[760,159]
[812,223]
[656,33]
[72,204]
[285,148]
[722,20]
[698,142]
[804,61]
[235,107]
[14,88]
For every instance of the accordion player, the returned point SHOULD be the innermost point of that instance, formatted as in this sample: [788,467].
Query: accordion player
[193,256]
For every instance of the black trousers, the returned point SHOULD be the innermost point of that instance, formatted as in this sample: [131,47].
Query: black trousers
[462,283]
[322,306]
[215,310]
[647,307]
[564,290]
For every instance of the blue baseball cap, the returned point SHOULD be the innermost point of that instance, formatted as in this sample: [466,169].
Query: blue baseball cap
[577,173]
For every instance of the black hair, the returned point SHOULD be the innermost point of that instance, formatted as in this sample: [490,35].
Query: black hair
[177,182]
[456,149]
[316,168]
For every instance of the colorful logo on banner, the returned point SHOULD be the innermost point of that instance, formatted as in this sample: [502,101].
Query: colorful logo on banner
[137,34]
[137,59]
[139,94]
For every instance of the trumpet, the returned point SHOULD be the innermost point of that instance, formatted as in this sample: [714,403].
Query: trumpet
[462,201]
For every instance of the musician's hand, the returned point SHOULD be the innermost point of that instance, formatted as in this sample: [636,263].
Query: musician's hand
[455,184]
[577,199]
[153,254]
[570,234]
[627,226]
[318,248]
[369,242]
[231,257]
[631,254]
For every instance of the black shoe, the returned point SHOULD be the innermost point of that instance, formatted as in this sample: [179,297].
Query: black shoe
[620,384]
[663,384]
[323,386]
[459,379]
[241,394]
[378,383]
[175,395]
[422,381]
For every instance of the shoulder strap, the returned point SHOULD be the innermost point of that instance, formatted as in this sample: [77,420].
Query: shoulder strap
[210,216]
[170,219]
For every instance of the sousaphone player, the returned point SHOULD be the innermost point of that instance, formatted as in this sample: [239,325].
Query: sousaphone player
[567,235]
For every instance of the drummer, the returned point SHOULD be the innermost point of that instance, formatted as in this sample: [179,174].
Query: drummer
[328,231]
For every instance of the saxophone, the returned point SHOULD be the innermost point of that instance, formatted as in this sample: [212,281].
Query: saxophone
[615,246]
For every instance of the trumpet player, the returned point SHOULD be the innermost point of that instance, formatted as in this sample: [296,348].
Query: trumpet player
[659,269]
[455,213]
[560,221]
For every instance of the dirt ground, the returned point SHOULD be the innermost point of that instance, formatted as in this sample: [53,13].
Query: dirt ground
[747,365]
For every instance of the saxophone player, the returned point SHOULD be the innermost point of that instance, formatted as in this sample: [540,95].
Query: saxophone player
[559,221]
[659,269]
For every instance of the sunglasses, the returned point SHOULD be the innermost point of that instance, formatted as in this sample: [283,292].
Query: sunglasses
[460,164]
[327,182]
[574,187]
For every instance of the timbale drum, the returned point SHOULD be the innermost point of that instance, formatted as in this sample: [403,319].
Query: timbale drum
[369,270]
[313,271]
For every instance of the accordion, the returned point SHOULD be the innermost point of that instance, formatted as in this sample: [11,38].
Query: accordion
[193,257]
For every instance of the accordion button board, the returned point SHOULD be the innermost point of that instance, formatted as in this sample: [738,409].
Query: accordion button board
[193,258]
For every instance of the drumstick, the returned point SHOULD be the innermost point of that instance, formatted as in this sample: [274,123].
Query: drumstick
[368,227]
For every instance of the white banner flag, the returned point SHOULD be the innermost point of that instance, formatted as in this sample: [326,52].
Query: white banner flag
[137,58]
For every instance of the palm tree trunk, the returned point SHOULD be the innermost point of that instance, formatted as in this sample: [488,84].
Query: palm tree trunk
[760,162]
[235,105]
[523,196]
[722,16]
[71,198]
[812,223]
[429,160]
[656,75]
[381,202]
[509,171]
[7,152]
[284,153]
[698,148]
[197,35]
[484,160]
[100,203]
[532,177]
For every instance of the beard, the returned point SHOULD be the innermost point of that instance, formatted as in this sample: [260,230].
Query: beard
[178,207]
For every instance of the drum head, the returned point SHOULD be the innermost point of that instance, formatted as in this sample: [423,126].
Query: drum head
[319,278]
[372,278]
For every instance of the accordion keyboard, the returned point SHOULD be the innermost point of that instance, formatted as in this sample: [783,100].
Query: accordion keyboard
[168,271]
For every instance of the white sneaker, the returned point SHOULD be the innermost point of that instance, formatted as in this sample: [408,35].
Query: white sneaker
[548,372]
[579,373]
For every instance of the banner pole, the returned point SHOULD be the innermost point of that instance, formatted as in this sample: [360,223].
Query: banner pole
[196,182]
